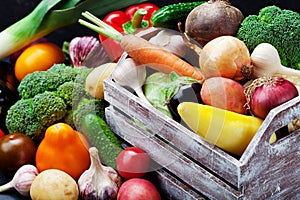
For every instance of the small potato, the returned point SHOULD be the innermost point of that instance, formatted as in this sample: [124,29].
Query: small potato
[94,81]
[54,184]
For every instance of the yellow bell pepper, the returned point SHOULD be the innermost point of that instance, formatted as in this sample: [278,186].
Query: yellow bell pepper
[227,130]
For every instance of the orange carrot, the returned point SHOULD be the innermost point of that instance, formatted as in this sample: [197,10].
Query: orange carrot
[154,56]
[144,52]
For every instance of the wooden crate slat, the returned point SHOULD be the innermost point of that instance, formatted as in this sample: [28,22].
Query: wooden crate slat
[169,158]
[215,159]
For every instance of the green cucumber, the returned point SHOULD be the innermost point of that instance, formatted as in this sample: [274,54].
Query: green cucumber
[99,135]
[170,15]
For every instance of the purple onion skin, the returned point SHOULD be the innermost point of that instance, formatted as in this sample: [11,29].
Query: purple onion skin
[271,95]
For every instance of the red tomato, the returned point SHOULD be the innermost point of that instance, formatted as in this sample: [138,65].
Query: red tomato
[132,162]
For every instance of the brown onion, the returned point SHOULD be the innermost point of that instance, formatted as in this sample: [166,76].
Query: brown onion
[266,93]
[225,56]
[212,19]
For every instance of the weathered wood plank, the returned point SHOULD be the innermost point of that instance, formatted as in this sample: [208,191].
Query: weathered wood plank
[171,188]
[274,168]
[213,158]
[169,158]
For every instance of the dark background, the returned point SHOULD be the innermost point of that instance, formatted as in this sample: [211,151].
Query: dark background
[13,10]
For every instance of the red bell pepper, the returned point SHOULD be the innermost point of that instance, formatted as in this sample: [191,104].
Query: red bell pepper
[126,22]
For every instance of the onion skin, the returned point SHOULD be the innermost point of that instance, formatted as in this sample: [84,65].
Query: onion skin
[225,56]
[212,19]
[266,93]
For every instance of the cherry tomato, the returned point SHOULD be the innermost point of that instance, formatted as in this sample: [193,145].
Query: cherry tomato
[132,162]
[38,57]
[16,149]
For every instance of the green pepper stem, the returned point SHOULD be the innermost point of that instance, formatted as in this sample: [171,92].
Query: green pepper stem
[138,18]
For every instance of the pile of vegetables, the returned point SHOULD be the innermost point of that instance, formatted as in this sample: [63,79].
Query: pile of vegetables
[217,77]
[238,84]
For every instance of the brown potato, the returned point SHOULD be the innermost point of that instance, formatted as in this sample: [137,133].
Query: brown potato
[94,81]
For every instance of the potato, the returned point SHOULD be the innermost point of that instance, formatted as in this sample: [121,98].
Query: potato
[54,184]
[94,81]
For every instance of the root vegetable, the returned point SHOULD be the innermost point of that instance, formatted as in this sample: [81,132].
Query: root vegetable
[98,182]
[94,81]
[225,56]
[224,93]
[143,51]
[54,184]
[22,180]
[266,93]
[213,19]
[266,62]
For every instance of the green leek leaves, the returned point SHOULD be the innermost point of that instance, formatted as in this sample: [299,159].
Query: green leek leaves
[50,15]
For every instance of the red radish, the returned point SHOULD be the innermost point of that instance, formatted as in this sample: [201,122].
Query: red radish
[224,93]
[138,189]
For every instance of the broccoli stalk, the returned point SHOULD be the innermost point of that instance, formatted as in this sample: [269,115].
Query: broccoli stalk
[279,27]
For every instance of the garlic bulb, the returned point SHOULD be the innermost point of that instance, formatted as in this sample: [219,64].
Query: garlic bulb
[171,41]
[130,74]
[98,182]
[22,180]
[87,51]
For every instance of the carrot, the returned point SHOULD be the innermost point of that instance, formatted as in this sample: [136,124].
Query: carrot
[143,51]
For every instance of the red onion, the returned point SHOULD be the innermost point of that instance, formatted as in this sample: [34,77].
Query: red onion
[266,93]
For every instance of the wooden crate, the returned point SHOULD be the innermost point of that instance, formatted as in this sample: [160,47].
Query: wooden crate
[263,171]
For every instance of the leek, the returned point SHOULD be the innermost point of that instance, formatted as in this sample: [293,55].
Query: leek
[50,15]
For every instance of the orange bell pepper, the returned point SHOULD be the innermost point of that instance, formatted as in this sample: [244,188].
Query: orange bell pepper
[63,148]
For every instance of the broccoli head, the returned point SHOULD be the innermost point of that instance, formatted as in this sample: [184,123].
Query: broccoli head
[36,83]
[71,92]
[65,72]
[48,108]
[41,81]
[279,27]
[32,116]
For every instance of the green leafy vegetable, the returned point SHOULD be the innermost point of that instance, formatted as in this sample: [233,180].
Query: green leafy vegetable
[159,88]
[50,15]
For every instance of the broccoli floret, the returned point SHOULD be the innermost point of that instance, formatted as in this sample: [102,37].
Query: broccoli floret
[34,115]
[41,81]
[65,72]
[96,106]
[36,83]
[82,73]
[48,108]
[71,92]
[279,27]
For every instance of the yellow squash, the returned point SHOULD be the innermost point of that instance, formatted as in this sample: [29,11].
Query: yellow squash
[228,130]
